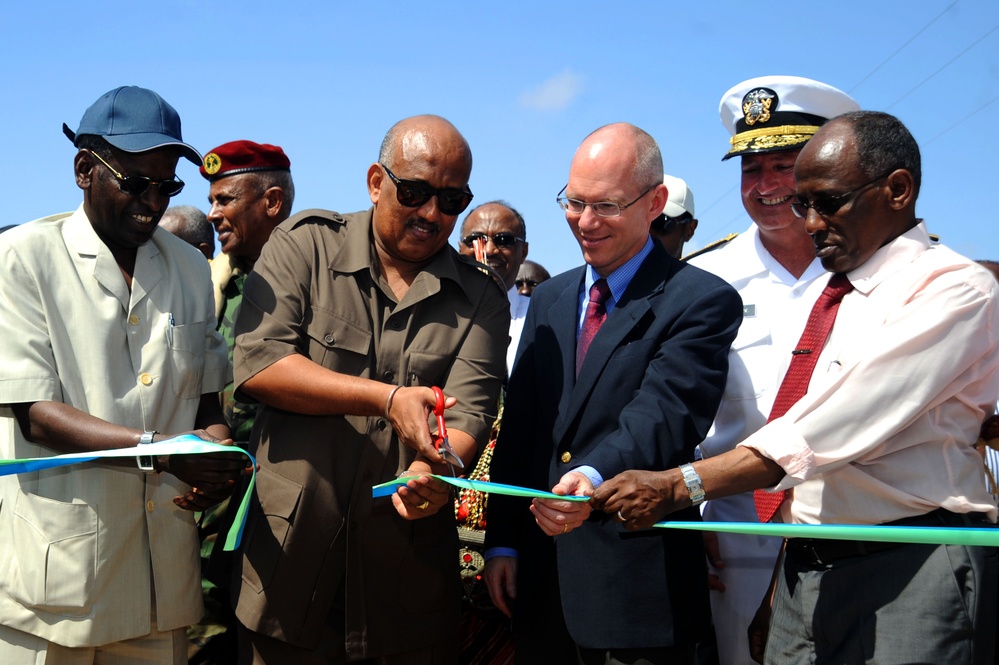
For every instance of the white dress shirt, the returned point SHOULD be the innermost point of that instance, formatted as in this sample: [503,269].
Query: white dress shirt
[518,312]
[893,409]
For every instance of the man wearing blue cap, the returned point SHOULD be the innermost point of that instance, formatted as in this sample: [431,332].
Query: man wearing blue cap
[111,340]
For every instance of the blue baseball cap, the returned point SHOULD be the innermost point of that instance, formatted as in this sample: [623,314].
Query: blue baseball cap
[134,119]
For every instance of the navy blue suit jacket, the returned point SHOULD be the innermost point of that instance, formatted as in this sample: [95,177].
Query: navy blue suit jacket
[645,397]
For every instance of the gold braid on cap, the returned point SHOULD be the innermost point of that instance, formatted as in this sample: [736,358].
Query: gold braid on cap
[772,137]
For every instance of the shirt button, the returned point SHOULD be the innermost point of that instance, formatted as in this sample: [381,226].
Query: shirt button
[329,338]
[389,376]
[145,379]
[134,320]
[381,424]
[566,457]
[150,506]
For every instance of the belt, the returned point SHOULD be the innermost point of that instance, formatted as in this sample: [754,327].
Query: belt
[822,552]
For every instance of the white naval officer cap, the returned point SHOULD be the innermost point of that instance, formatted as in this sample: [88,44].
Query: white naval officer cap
[775,113]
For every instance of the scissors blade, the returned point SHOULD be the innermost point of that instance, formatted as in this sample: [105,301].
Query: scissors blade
[448,450]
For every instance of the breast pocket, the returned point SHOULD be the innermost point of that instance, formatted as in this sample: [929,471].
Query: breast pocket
[750,357]
[427,369]
[187,357]
[55,555]
[336,343]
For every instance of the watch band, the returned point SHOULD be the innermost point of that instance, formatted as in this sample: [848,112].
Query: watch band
[146,462]
[693,483]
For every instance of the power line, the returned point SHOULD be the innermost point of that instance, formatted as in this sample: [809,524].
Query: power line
[911,39]
[943,67]
[980,108]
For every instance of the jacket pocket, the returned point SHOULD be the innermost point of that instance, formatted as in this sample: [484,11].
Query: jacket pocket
[187,358]
[278,497]
[336,343]
[55,555]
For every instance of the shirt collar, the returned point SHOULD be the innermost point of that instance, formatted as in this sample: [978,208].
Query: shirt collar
[891,258]
[357,253]
[619,280]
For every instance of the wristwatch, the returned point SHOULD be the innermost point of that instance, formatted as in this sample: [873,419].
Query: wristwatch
[693,483]
[145,462]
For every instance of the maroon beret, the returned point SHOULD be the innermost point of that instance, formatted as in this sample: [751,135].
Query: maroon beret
[243,157]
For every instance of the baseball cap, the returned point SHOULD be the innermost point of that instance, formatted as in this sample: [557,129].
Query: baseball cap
[681,199]
[133,119]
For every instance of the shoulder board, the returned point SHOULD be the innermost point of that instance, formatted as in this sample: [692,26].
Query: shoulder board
[710,247]
[329,215]
[481,267]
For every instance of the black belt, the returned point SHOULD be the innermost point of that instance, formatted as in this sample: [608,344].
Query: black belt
[822,552]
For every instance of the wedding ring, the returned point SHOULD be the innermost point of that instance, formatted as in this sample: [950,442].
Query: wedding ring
[565,528]
[619,517]
[423,506]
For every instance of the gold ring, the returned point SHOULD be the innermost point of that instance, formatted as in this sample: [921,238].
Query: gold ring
[619,517]
[565,528]
[423,506]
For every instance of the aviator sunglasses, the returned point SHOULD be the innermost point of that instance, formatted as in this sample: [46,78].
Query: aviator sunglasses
[415,193]
[502,239]
[136,185]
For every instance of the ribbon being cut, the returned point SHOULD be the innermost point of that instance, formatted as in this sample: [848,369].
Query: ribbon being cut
[186,444]
[987,537]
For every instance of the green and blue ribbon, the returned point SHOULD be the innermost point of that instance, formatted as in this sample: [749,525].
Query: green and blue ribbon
[185,444]
[931,535]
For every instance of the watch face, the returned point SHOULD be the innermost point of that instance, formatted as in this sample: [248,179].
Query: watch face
[145,462]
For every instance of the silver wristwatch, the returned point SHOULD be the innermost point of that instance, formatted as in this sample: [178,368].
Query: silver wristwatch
[145,462]
[693,483]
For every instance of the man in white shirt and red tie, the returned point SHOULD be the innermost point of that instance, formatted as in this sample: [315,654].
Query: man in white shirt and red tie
[884,433]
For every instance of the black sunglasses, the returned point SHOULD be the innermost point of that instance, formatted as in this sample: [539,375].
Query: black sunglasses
[829,205]
[502,239]
[136,185]
[415,193]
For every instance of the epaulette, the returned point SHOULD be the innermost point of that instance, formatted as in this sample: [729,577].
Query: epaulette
[481,267]
[328,215]
[712,246]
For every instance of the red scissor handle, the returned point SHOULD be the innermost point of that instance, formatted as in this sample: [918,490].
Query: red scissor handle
[439,412]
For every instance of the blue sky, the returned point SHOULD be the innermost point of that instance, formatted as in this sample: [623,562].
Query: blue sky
[525,82]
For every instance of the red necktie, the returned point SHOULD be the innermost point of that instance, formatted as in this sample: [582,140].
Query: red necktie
[596,312]
[799,372]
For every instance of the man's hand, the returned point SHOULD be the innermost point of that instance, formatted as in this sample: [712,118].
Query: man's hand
[558,517]
[212,476]
[409,411]
[501,580]
[422,495]
[639,499]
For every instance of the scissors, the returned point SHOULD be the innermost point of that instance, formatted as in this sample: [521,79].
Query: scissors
[441,443]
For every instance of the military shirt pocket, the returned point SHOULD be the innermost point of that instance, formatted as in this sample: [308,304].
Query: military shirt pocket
[279,498]
[336,343]
[426,369]
[187,357]
[54,566]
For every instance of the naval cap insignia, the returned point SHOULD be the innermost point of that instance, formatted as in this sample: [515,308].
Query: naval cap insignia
[756,105]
